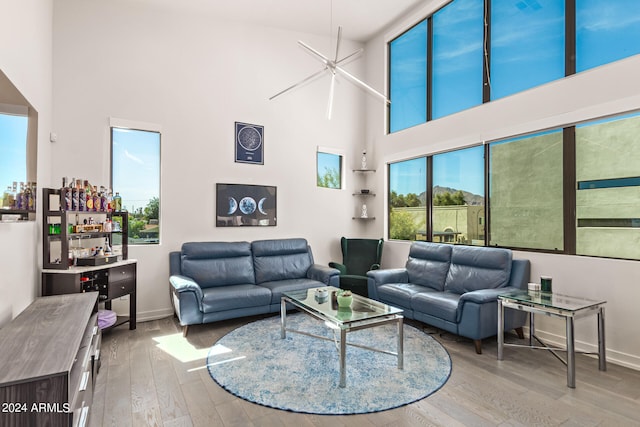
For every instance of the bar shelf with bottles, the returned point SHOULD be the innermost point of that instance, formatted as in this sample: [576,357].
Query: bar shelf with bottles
[78,232]
[18,202]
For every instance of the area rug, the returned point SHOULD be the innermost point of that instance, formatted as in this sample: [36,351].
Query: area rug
[301,373]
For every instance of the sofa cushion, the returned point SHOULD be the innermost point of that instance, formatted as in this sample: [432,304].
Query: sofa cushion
[218,263]
[281,259]
[399,293]
[474,268]
[277,287]
[428,264]
[443,305]
[233,297]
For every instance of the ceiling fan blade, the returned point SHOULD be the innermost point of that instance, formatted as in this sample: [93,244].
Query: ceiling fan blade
[320,57]
[300,83]
[331,90]
[362,84]
[339,39]
[350,57]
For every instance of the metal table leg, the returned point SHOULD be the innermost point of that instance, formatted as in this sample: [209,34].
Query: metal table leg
[602,358]
[571,354]
[400,343]
[283,318]
[343,358]
[500,328]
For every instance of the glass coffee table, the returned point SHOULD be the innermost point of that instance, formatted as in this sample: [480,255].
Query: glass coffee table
[364,313]
[558,305]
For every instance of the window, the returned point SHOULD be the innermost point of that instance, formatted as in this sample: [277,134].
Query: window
[408,78]
[606,31]
[608,188]
[407,199]
[457,57]
[458,197]
[13,161]
[525,192]
[329,169]
[135,176]
[527,45]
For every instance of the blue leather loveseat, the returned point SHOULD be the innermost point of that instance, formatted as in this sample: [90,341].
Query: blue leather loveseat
[454,288]
[213,281]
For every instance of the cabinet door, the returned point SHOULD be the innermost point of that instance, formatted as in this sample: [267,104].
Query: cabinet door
[58,284]
[122,281]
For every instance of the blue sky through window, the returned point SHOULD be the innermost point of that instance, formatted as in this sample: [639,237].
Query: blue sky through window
[136,167]
[409,176]
[606,31]
[457,57]
[13,150]
[460,170]
[328,162]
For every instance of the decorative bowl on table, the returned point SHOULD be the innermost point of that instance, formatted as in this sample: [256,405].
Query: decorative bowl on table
[344,299]
[321,295]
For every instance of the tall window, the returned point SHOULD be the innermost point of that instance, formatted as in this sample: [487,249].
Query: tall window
[407,199]
[608,188]
[13,160]
[329,170]
[525,192]
[527,45]
[135,176]
[606,31]
[457,57]
[458,197]
[408,81]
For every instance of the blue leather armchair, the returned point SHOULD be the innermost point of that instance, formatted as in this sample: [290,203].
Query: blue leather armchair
[454,288]
[213,281]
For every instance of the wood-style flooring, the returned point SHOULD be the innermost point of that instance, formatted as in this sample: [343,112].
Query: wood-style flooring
[154,377]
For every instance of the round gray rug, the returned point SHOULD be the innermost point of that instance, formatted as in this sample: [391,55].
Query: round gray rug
[301,373]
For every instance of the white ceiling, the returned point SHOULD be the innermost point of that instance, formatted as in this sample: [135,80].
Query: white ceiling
[360,19]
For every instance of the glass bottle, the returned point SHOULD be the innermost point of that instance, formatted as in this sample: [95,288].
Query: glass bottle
[117,202]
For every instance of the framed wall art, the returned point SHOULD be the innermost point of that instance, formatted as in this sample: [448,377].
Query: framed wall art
[242,205]
[249,143]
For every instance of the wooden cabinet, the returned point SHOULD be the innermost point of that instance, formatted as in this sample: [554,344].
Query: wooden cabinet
[110,281]
[50,355]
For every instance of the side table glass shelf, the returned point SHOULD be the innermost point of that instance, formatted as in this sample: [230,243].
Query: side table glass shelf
[557,305]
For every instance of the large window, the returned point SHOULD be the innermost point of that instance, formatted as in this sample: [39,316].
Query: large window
[407,199]
[13,160]
[525,192]
[606,31]
[527,45]
[457,57]
[608,188]
[408,82]
[458,197]
[135,176]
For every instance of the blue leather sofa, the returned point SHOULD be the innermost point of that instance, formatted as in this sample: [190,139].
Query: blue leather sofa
[213,281]
[454,288]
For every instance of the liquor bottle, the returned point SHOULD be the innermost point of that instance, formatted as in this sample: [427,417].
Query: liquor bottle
[66,195]
[88,196]
[75,203]
[117,202]
[82,197]
[29,203]
[97,200]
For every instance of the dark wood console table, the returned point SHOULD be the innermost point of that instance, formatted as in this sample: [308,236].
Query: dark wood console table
[111,281]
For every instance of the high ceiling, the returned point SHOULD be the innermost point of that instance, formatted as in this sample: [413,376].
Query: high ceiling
[360,19]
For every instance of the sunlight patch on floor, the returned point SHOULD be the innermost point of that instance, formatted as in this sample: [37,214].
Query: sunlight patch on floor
[179,348]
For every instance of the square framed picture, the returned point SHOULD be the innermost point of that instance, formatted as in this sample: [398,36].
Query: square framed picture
[249,143]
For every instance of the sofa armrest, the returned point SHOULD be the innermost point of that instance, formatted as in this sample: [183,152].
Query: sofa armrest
[341,267]
[327,275]
[377,278]
[483,296]
[182,284]
[375,267]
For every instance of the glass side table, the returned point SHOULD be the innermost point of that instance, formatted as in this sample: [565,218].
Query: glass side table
[558,305]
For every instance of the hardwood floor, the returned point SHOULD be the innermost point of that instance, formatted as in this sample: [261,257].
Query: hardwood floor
[154,377]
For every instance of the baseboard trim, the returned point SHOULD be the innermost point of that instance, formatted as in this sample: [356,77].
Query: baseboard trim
[147,316]
[630,361]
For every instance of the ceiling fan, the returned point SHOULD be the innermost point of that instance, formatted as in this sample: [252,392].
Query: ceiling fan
[332,66]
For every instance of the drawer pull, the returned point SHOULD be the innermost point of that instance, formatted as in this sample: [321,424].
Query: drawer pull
[95,330]
[122,287]
[85,380]
[83,416]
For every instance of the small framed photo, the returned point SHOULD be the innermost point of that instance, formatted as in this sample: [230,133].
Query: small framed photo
[249,143]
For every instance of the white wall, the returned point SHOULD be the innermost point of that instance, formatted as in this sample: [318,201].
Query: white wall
[607,90]
[25,57]
[195,76]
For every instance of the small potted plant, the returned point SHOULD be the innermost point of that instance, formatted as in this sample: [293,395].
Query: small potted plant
[344,298]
